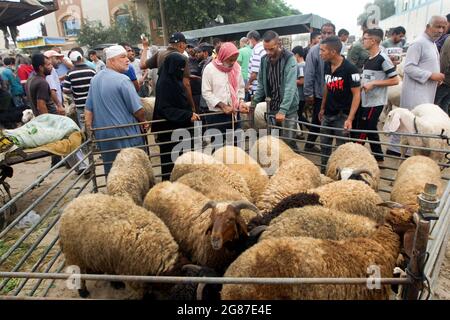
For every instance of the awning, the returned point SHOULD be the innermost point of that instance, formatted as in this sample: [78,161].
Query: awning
[283,26]
[18,12]
[36,42]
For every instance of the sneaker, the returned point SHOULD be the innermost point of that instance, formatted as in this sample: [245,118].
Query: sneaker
[393,153]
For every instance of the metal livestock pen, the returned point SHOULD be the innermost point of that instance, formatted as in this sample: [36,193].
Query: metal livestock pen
[32,263]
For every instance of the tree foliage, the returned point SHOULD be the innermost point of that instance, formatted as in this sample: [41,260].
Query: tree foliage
[94,32]
[387,9]
[195,14]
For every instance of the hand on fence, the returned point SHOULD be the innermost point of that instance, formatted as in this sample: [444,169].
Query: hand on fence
[348,125]
[227,109]
[321,114]
[195,117]
[243,108]
[145,127]
[280,117]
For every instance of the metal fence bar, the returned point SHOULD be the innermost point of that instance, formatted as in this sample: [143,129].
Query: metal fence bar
[39,199]
[58,270]
[39,180]
[43,216]
[50,265]
[222,280]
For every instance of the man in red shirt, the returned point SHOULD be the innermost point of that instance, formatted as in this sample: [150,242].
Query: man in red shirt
[24,70]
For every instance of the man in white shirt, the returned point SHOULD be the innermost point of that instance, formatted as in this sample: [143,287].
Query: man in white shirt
[54,82]
[258,52]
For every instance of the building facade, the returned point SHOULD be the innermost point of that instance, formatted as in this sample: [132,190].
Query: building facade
[66,22]
[414,15]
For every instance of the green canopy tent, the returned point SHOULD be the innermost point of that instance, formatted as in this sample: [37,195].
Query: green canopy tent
[14,13]
[289,25]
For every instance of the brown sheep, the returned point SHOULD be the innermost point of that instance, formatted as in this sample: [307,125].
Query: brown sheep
[205,230]
[412,176]
[131,175]
[104,234]
[239,161]
[295,176]
[301,257]
[354,161]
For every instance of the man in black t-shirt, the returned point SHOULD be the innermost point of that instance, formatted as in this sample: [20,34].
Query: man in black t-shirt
[341,98]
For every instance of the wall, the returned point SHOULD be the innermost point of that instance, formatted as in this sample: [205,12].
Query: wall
[415,20]
[96,11]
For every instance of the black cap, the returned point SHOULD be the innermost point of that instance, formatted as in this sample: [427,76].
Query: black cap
[205,46]
[177,37]
[192,43]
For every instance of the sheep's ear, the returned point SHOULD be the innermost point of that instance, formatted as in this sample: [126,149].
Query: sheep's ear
[241,226]
[391,205]
[393,124]
[209,229]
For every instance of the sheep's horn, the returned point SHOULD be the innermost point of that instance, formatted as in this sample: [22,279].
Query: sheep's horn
[391,205]
[243,204]
[199,291]
[192,267]
[361,171]
[209,205]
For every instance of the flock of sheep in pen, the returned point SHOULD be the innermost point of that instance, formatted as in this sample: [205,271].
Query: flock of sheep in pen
[222,215]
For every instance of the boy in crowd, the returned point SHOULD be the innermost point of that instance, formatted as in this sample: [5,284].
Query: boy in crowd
[341,97]
[378,73]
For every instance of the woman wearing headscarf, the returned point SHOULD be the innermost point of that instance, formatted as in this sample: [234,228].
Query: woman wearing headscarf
[223,87]
[172,105]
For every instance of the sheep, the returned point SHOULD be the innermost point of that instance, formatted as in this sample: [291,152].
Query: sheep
[394,93]
[297,175]
[354,161]
[324,180]
[193,161]
[320,223]
[412,176]
[303,257]
[131,175]
[206,231]
[259,118]
[27,115]
[427,119]
[104,234]
[349,196]
[149,106]
[207,182]
[271,152]
[353,197]
[298,200]
[239,161]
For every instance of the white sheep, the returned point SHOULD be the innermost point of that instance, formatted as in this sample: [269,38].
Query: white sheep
[412,176]
[354,161]
[239,161]
[131,175]
[149,107]
[103,234]
[294,176]
[425,119]
[206,231]
[27,115]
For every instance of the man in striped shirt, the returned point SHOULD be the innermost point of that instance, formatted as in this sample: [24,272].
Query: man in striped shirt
[255,61]
[78,82]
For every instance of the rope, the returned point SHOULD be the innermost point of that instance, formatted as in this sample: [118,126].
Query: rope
[421,277]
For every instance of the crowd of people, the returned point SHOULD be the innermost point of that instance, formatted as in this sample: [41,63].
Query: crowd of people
[346,88]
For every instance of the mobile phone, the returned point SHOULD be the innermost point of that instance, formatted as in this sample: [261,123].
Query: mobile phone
[143,36]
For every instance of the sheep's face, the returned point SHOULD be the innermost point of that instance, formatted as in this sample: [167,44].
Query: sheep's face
[27,115]
[226,225]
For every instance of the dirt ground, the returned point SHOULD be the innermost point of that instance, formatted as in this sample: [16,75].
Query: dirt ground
[27,173]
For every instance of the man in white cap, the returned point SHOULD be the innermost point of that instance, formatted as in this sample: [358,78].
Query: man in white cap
[113,102]
[77,83]
[54,82]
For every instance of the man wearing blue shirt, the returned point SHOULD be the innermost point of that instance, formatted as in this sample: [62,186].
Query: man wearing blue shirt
[113,102]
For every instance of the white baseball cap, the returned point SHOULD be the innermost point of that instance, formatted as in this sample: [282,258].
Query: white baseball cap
[75,56]
[114,51]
